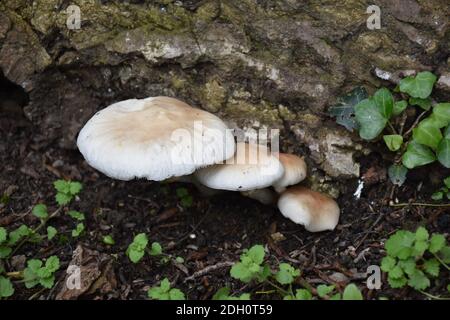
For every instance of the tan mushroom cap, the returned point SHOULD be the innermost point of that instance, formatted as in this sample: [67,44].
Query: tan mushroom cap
[294,171]
[316,211]
[154,138]
[252,167]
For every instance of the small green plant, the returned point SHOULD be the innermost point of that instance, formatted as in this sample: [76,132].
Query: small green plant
[165,292]
[185,198]
[250,267]
[6,288]
[136,250]
[66,191]
[224,294]
[414,257]
[109,240]
[426,141]
[443,191]
[39,273]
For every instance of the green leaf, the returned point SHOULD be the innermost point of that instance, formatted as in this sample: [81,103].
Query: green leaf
[52,264]
[393,141]
[62,198]
[156,249]
[108,239]
[417,155]
[388,263]
[419,86]
[447,134]
[4,252]
[399,107]
[397,174]
[396,272]
[443,152]
[447,182]
[425,104]
[370,119]
[344,110]
[431,267]
[78,230]
[6,287]
[397,283]
[256,253]
[303,294]
[444,253]
[442,112]
[408,265]
[384,101]
[241,271]
[76,215]
[427,135]
[437,242]
[182,192]
[222,294]
[418,280]
[420,247]
[74,188]
[439,195]
[422,234]
[176,294]
[47,282]
[3,235]
[286,274]
[51,232]
[40,211]
[351,292]
[323,290]
[136,249]
[17,235]
[400,244]
[62,186]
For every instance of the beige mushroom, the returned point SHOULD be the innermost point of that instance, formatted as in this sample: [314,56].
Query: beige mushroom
[294,171]
[317,212]
[154,138]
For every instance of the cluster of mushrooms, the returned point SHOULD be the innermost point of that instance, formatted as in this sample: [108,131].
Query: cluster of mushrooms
[162,138]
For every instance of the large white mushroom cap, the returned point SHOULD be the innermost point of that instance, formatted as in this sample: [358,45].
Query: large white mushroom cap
[154,138]
[317,212]
[252,167]
[294,171]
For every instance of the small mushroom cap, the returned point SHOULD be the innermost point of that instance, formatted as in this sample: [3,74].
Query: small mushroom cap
[154,138]
[317,212]
[252,167]
[294,171]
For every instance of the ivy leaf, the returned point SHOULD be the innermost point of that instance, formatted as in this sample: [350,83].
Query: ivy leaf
[442,112]
[384,101]
[419,86]
[399,107]
[443,152]
[351,292]
[400,244]
[418,280]
[344,110]
[371,121]
[427,135]
[393,141]
[447,182]
[417,155]
[425,104]
[40,211]
[447,134]
[397,174]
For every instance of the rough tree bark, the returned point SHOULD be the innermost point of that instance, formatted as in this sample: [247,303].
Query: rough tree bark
[255,63]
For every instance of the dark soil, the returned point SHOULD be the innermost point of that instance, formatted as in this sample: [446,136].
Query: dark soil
[212,231]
